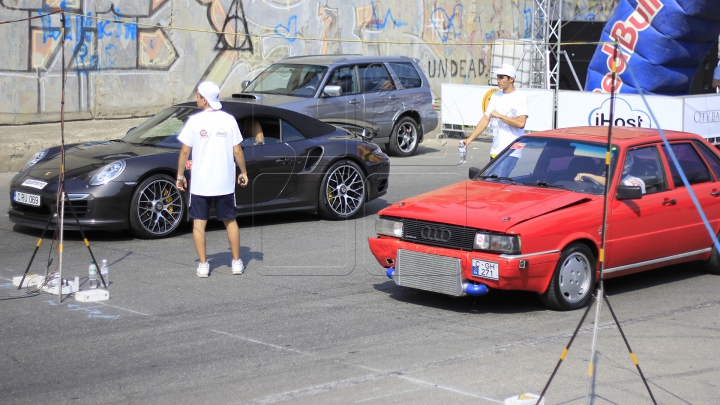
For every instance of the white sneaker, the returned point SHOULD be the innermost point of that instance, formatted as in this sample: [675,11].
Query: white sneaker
[237,267]
[203,270]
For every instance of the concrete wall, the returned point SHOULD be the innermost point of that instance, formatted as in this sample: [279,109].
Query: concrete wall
[134,57]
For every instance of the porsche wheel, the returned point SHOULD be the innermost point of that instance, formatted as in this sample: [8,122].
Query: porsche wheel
[712,265]
[342,191]
[404,137]
[156,208]
[571,284]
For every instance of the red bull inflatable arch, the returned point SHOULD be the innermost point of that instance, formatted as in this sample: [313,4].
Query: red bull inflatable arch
[663,43]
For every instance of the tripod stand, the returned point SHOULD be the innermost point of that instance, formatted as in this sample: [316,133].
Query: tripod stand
[59,212]
[600,292]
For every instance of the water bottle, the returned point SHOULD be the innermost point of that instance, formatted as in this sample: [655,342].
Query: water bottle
[462,150]
[104,270]
[92,276]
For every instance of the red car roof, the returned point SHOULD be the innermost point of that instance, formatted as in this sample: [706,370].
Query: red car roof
[620,135]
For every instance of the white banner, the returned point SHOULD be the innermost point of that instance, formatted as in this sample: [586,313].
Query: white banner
[582,108]
[702,115]
[462,105]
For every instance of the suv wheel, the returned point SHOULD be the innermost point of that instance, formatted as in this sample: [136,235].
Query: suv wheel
[404,137]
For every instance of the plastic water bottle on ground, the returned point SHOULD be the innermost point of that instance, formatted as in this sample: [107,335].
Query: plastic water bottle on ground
[462,149]
[104,271]
[92,276]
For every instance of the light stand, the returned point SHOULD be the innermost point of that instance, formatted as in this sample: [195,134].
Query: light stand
[61,195]
[600,292]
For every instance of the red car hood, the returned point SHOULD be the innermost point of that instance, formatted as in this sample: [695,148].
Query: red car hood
[484,205]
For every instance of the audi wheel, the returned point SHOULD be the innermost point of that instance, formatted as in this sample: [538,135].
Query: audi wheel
[572,282]
[342,191]
[156,208]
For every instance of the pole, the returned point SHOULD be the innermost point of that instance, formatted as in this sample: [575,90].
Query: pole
[608,179]
[61,183]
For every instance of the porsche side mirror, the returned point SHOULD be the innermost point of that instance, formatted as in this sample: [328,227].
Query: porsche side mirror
[474,171]
[244,84]
[332,91]
[629,192]
[368,135]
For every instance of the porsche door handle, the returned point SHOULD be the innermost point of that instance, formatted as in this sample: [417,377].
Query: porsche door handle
[353,102]
[284,161]
[393,98]
[669,202]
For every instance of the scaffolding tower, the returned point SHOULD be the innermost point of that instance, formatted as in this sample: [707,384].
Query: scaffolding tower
[545,37]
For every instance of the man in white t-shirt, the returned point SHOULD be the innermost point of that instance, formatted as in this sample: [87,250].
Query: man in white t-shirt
[214,138]
[506,114]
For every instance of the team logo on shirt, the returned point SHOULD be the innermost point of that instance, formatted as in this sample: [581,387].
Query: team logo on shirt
[221,133]
[203,133]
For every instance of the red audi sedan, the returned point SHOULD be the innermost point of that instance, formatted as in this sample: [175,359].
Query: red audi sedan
[532,218]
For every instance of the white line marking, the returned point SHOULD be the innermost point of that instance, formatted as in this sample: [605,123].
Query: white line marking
[388,395]
[124,309]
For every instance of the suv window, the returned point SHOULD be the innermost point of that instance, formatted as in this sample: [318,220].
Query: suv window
[346,78]
[690,163]
[296,80]
[406,73]
[375,78]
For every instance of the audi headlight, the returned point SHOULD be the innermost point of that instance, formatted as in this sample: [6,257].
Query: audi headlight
[389,227]
[36,158]
[497,243]
[108,173]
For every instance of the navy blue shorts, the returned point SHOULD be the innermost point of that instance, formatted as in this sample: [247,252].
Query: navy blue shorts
[224,207]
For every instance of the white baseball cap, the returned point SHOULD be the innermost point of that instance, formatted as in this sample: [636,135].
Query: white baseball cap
[210,92]
[506,70]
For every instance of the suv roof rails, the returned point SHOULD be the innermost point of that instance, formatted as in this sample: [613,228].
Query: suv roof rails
[322,54]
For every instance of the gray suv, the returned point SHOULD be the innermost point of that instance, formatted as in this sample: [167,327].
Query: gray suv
[388,94]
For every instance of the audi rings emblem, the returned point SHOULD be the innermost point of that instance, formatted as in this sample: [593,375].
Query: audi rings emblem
[435,233]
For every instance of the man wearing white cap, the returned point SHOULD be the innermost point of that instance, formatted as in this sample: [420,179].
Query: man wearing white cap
[214,138]
[506,114]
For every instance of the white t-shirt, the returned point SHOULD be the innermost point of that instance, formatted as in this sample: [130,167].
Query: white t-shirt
[211,135]
[512,105]
[630,180]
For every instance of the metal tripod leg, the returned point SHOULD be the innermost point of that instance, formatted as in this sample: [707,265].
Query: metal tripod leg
[37,247]
[77,221]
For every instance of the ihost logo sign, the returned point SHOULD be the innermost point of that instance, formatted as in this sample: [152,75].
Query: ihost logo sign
[624,115]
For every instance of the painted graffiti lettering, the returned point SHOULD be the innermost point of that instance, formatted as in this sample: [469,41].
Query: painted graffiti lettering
[455,68]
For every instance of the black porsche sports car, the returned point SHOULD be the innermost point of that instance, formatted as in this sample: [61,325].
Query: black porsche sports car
[297,164]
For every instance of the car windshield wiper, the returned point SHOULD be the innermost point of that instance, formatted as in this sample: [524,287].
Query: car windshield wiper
[496,177]
[544,184]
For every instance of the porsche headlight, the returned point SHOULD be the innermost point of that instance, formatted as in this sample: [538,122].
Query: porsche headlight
[108,173]
[389,227]
[36,158]
[497,243]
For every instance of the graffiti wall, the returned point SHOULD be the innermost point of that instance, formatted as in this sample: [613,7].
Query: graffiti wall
[134,57]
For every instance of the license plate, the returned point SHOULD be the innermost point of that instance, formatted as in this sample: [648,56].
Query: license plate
[27,199]
[485,269]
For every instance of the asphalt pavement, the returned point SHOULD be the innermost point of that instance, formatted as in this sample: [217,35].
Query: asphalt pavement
[314,320]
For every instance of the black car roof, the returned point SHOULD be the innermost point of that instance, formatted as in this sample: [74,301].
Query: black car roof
[308,126]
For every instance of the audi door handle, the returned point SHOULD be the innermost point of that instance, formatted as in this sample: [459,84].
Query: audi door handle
[715,193]
[393,98]
[353,102]
[669,202]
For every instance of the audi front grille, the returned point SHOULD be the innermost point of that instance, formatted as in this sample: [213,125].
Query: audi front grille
[432,233]
[428,272]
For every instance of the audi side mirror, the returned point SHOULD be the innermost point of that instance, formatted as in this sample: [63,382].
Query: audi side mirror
[474,171]
[629,192]
[244,84]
